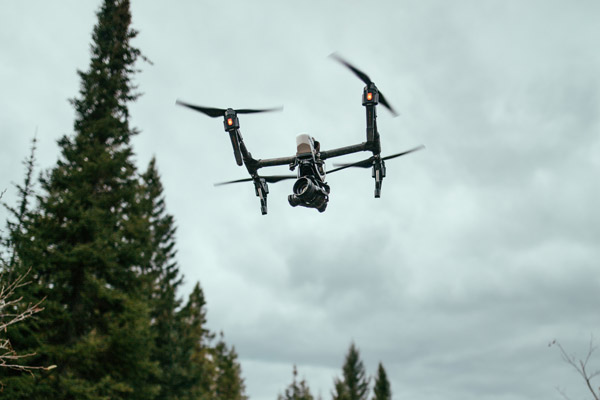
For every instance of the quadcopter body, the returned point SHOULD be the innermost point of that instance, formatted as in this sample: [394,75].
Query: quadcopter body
[310,189]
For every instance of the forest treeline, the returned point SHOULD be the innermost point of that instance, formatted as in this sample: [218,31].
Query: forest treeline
[93,312]
[354,384]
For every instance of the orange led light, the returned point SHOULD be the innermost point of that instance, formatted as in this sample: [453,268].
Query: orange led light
[229,121]
[369,96]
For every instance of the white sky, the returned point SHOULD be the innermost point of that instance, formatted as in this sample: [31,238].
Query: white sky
[482,249]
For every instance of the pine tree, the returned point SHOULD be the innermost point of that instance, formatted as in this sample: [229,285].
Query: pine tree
[163,278]
[296,391]
[229,383]
[340,391]
[101,247]
[84,238]
[194,358]
[354,384]
[382,389]
[13,310]
[25,192]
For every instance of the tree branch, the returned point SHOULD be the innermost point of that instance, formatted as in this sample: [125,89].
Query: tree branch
[580,365]
[8,356]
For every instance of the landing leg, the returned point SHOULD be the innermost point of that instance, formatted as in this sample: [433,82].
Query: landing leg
[261,189]
[378,174]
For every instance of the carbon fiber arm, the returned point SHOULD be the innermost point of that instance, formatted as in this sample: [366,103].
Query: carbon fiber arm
[271,162]
[342,151]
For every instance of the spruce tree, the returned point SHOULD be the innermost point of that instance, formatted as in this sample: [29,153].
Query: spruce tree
[205,371]
[354,384]
[296,391]
[101,248]
[163,279]
[340,391]
[229,383]
[194,358]
[84,238]
[382,389]
[25,192]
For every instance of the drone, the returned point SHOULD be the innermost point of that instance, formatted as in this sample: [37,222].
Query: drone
[310,189]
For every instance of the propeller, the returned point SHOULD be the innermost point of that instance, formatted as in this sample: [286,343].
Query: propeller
[268,179]
[219,112]
[369,161]
[365,78]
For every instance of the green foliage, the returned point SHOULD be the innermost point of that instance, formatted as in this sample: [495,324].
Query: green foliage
[354,384]
[101,248]
[228,381]
[83,240]
[296,391]
[340,391]
[382,389]
[193,357]
[162,278]
[25,192]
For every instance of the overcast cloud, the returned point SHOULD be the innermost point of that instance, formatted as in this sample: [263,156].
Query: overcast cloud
[482,249]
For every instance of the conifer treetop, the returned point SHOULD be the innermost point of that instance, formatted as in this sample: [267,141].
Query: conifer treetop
[106,87]
[354,384]
[382,389]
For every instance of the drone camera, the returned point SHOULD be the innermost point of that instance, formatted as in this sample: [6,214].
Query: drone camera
[308,194]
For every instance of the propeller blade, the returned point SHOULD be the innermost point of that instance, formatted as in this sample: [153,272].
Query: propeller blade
[268,179]
[230,182]
[210,111]
[361,75]
[421,147]
[361,164]
[250,111]
[277,178]
[387,105]
[219,112]
[369,161]
[365,78]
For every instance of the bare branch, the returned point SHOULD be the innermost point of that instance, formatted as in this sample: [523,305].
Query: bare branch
[580,365]
[8,316]
[562,393]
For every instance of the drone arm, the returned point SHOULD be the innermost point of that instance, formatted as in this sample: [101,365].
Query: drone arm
[235,137]
[240,151]
[342,151]
[271,162]
[371,122]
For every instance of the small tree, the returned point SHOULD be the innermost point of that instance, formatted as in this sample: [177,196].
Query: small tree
[354,384]
[194,370]
[581,366]
[229,383]
[13,310]
[382,389]
[296,391]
